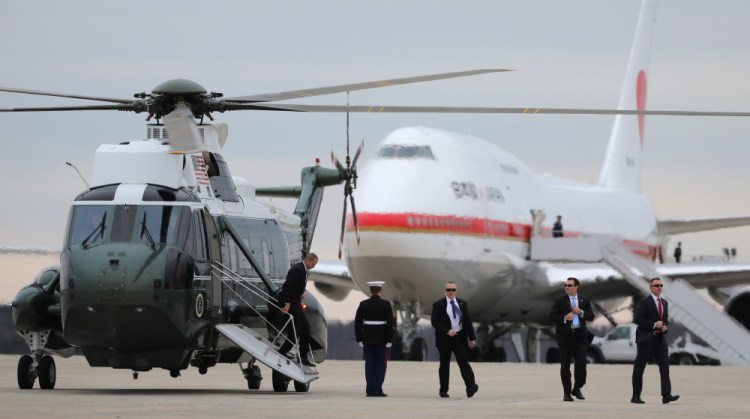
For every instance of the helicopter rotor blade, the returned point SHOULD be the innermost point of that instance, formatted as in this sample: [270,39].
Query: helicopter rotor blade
[296,94]
[184,136]
[493,110]
[125,107]
[343,225]
[359,151]
[339,166]
[354,217]
[42,93]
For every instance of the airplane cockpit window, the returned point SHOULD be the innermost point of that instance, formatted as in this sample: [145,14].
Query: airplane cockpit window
[89,224]
[397,151]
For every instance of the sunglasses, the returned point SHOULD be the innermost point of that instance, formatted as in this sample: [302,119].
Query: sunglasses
[450,290]
[569,285]
[658,285]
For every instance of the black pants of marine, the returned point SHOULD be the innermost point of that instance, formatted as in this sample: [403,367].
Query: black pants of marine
[375,365]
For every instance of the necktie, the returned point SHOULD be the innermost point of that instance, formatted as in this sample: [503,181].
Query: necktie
[661,311]
[576,321]
[456,310]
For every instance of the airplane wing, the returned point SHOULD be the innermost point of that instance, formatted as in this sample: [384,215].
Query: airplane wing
[687,225]
[602,282]
[333,274]
[27,250]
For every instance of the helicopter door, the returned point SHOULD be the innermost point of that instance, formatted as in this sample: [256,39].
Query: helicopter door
[215,255]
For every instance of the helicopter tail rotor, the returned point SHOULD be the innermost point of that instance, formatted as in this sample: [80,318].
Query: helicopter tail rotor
[348,173]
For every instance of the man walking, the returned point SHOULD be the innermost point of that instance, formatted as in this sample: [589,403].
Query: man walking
[651,314]
[290,301]
[454,334]
[373,328]
[570,312]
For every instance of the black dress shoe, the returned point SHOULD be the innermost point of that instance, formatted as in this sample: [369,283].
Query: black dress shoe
[370,395]
[444,394]
[578,394]
[472,390]
[379,395]
[567,398]
[637,400]
[307,362]
[667,399]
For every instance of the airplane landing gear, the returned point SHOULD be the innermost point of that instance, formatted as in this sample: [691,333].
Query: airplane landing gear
[411,347]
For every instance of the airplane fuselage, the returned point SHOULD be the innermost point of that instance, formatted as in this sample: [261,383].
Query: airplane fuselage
[436,206]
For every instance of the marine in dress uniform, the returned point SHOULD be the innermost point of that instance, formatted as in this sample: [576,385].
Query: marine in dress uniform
[373,328]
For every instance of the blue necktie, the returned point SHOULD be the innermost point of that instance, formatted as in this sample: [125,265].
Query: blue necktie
[576,321]
[456,310]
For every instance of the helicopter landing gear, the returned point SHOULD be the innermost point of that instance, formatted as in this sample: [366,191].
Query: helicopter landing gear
[47,372]
[280,382]
[26,372]
[252,375]
[135,374]
[174,373]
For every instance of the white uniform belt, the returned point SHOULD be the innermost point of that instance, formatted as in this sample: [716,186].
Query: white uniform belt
[374,322]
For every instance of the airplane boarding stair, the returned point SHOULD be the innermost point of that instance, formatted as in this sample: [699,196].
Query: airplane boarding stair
[687,307]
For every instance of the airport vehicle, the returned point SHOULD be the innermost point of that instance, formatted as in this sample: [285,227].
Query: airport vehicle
[436,206]
[618,345]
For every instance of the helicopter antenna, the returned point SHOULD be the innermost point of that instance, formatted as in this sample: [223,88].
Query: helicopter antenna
[79,174]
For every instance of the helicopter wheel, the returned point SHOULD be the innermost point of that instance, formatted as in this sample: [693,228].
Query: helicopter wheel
[47,373]
[280,382]
[301,387]
[26,372]
[254,377]
[174,373]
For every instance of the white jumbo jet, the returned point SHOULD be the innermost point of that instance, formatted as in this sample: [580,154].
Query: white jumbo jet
[435,206]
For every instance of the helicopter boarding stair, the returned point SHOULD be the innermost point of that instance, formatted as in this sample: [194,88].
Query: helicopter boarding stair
[729,338]
[256,345]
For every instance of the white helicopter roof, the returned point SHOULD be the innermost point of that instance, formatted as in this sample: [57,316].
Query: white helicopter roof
[144,161]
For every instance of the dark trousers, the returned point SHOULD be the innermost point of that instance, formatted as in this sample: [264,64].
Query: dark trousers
[303,331]
[458,346]
[375,364]
[575,347]
[654,349]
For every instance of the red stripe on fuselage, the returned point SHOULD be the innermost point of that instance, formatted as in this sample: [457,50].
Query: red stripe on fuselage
[464,226]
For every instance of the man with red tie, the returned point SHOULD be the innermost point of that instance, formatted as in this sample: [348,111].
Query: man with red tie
[651,316]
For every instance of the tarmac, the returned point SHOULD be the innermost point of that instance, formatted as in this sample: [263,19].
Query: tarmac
[505,390]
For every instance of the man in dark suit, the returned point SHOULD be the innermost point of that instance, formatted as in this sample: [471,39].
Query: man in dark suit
[454,334]
[373,328]
[290,301]
[570,312]
[651,314]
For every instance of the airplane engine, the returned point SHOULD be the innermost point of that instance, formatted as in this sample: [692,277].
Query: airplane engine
[332,292]
[738,306]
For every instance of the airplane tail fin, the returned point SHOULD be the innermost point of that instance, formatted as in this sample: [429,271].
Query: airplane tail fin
[622,164]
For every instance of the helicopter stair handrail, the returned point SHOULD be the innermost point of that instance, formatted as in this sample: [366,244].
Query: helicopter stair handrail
[252,342]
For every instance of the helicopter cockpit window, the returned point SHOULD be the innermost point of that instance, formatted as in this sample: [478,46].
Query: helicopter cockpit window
[159,223]
[89,224]
[397,151]
[220,178]
[101,193]
[164,194]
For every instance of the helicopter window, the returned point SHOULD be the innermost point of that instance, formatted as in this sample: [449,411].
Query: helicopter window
[396,151]
[101,193]
[160,222]
[199,251]
[164,194]
[220,177]
[46,276]
[89,223]
[122,226]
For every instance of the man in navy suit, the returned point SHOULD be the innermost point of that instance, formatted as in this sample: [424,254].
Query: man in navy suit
[569,313]
[454,334]
[290,301]
[651,314]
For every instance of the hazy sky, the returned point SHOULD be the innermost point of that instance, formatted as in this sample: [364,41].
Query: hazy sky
[568,54]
